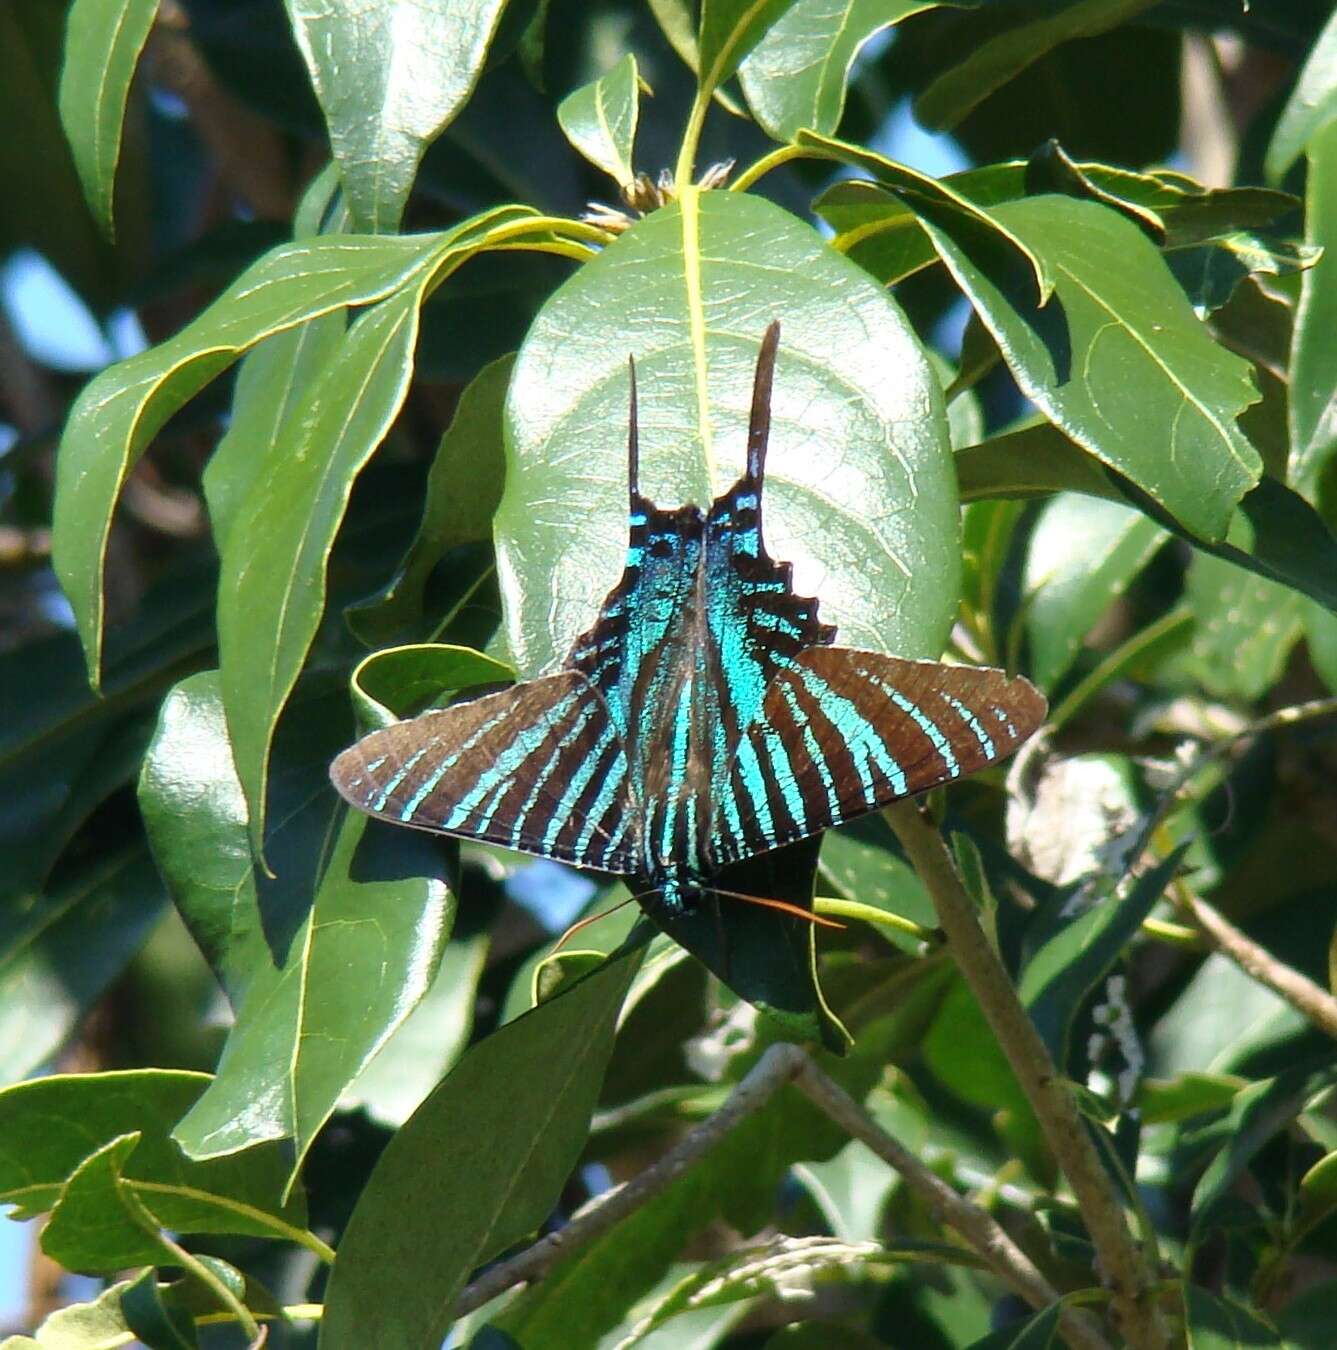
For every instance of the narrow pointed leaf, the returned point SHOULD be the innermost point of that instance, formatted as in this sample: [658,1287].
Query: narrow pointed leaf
[1083,553]
[599,119]
[1213,1323]
[91,927]
[1313,384]
[271,592]
[852,389]
[1311,105]
[123,408]
[322,964]
[463,490]
[495,1162]
[1068,967]
[103,40]
[389,78]
[993,63]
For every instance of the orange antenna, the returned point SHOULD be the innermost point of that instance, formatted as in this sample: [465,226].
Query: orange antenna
[593,918]
[782,905]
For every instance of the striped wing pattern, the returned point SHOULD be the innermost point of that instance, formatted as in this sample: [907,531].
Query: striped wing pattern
[844,732]
[539,767]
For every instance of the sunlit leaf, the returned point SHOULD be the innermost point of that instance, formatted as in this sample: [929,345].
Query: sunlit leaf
[599,119]
[102,46]
[852,389]
[388,80]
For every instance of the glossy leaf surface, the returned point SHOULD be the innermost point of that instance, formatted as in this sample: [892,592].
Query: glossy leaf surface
[324,962]
[102,46]
[858,428]
[51,1125]
[599,119]
[389,79]
[468,1151]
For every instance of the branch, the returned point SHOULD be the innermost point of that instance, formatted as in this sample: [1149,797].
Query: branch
[1122,1264]
[976,1226]
[771,1072]
[778,1066]
[1298,990]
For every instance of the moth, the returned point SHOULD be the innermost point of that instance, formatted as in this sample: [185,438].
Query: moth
[707,716]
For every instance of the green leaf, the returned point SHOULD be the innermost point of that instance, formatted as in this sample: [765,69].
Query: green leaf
[993,63]
[99,1223]
[90,929]
[1258,1112]
[937,199]
[49,1126]
[270,382]
[1313,383]
[1064,972]
[122,409]
[389,80]
[99,1325]
[729,31]
[271,591]
[322,964]
[861,862]
[309,1026]
[1320,630]
[427,1043]
[1167,1101]
[102,46]
[589,1291]
[1245,628]
[1117,350]
[1312,105]
[852,389]
[403,681]
[1083,553]
[796,75]
[961,1052]
[1214,1323]
[494,1162]
[1032,461]
[599,119]
[157,1324]
[463,489]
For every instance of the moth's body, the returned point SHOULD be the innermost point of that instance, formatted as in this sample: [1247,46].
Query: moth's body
[704,718]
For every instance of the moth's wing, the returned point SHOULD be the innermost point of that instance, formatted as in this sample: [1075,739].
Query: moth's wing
[844,732]
[538,767]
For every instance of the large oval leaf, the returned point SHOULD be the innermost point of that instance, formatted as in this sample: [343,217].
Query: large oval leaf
[860,492]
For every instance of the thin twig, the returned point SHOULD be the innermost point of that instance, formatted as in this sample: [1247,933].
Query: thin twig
[771,1072]
[1122,1263]
[783,1064]
[1298,990]
[975,1225]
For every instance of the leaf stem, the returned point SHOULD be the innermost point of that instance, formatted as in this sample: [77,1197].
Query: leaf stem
[1122,1263]
[691,137]
[772,160]
[877,918]
[216,1286]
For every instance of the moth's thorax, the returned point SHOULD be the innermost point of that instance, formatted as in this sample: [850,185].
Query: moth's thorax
[680,890]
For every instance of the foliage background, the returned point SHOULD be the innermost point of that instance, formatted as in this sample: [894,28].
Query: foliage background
[234,1048]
